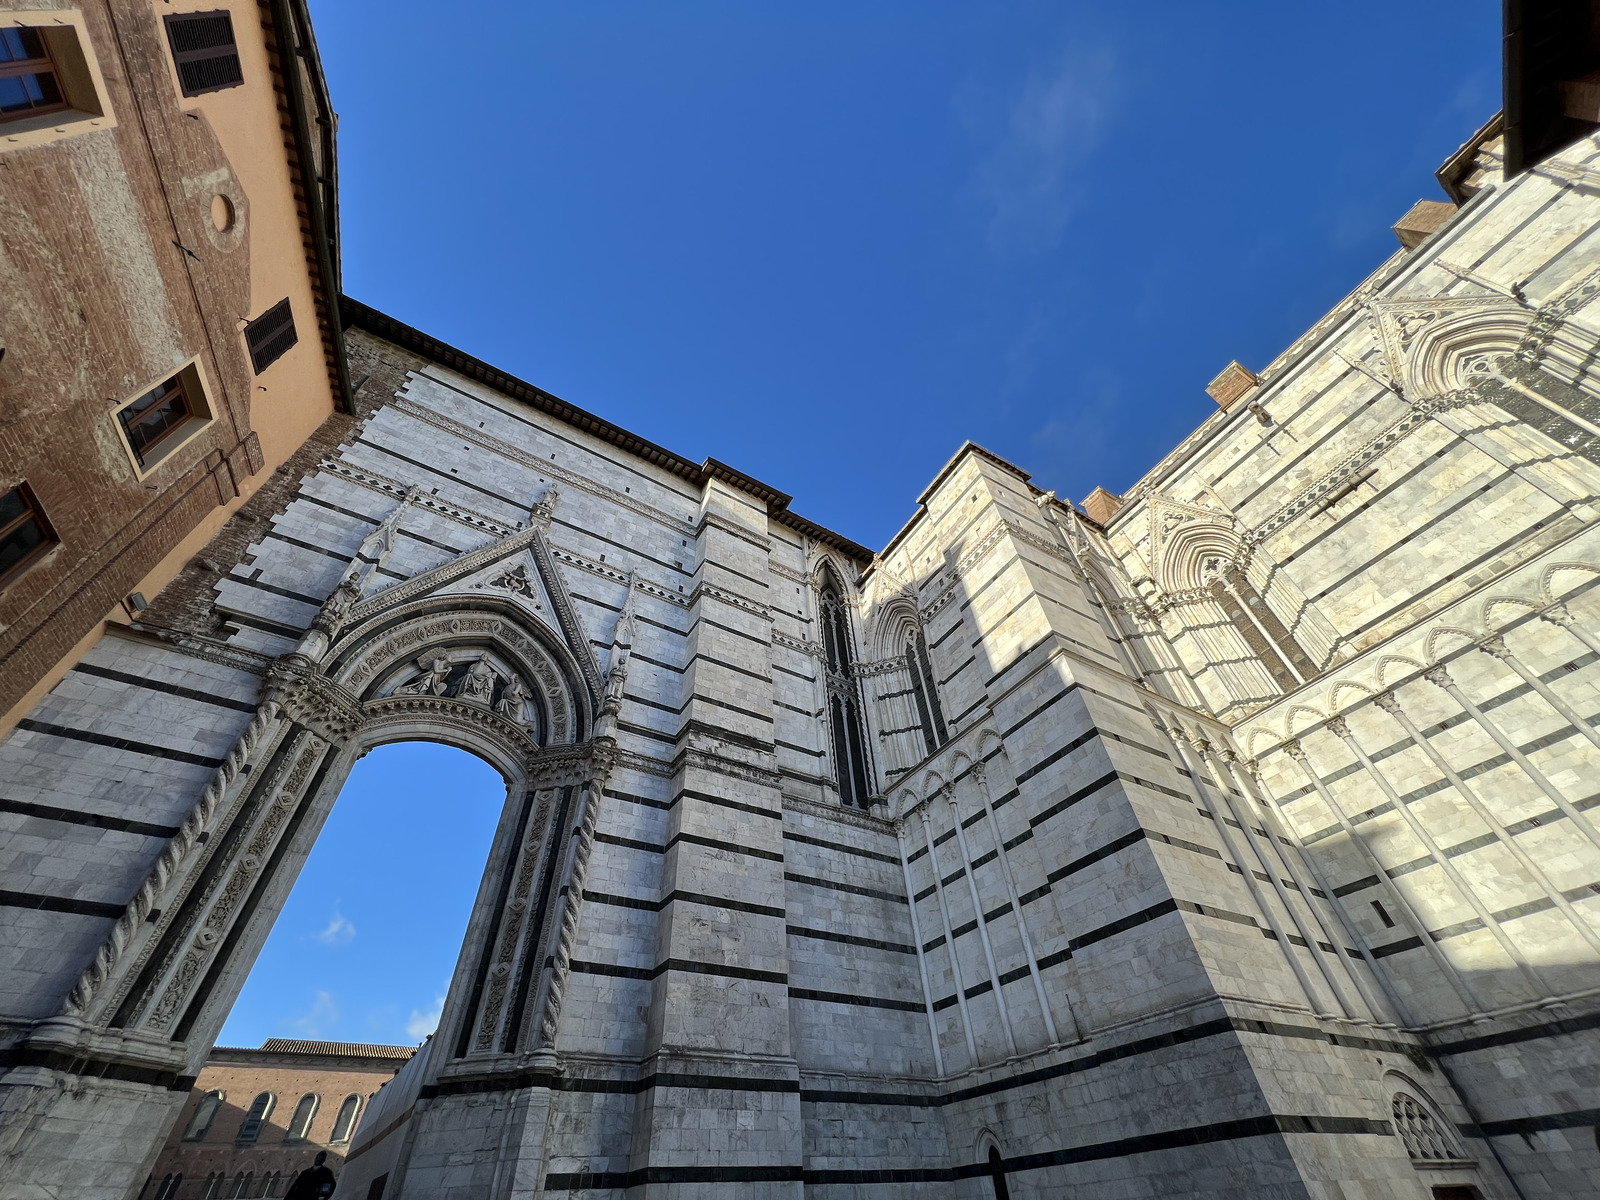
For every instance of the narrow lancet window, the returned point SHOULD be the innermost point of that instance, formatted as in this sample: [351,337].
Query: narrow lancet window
[844,711]
[934,732]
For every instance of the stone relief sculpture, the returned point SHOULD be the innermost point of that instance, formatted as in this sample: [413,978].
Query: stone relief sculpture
[432,681]
[513,701]
[478,683]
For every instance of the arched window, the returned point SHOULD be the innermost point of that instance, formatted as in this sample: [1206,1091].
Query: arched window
[204,1113]
[997,1174]
[1427,1139]
[269,1185]
[214,1182]
[239,1181]
[260,1110]
[844,710]
[926,691]
[165,1189]
[300,1124]
[345,1123]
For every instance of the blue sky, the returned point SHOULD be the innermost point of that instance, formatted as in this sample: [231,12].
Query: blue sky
[826,242]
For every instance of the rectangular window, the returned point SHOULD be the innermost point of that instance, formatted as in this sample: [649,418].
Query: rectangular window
[270,335]
[156,416]
[25,535]
[160,420]
[204,52]
[28,80]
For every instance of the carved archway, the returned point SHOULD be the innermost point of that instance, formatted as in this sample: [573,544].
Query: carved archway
[483,653]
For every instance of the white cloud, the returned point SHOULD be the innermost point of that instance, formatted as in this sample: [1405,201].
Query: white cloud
[1031,179]
[422,1024]
[340,932]
[322,1015]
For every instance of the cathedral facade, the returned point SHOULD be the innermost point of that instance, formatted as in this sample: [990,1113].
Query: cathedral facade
[1233,835]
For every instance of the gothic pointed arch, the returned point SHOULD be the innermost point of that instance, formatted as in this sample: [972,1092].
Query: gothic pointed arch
[852,769]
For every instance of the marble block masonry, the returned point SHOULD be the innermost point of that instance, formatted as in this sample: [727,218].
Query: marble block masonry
[1234,835]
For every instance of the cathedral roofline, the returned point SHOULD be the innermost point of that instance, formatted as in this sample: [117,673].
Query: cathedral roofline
[380,324]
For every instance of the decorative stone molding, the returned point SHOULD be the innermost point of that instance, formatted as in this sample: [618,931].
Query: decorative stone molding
[173,857]
[798,644]
[732,599]
[373,481]
[548,467]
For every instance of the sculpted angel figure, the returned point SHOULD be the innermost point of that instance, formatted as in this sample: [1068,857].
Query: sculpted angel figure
[478,683]
[435,671]
[513,700]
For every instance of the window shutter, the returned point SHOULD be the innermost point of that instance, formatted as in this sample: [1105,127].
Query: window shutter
[204,51]
[270,335]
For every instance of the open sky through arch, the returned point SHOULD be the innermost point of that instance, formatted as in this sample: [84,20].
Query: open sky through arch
[365,946]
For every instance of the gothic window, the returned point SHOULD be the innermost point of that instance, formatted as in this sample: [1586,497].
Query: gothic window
[214,1182]
[1275,646]
[1427,1139]
[923,686]
[260,1110]
[345,1123]
[997,1174]
[204,1113]
[844,708]
[300,1123]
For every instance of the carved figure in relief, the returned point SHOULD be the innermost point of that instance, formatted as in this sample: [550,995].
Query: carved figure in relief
[435,671]
[478,683]
[513,701]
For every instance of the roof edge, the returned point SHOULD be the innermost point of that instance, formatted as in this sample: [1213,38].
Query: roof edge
[391,329]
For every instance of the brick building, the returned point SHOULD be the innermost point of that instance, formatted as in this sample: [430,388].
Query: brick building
[256,1118]
[1231,835]
[168,299]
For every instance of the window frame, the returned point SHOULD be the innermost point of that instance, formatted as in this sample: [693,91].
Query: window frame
[258,365]
[39,66]
[171,21]
[190,1133]
[355,1119]
[35,512]
[290,1137]
[86,106]
[239,1140]
[202,412]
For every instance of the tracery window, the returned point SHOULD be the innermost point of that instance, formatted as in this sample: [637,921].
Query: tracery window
[1426,1138]
[926,690]
[300,1123]
[345,1123]
[260,1110]
[204,1113]
[844,708]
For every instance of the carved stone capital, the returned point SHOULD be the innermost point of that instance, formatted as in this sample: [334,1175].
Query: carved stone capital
[1295,750]
[1338,727]
[1200,744]
[1559,614]
[1495,645]
[979,772]
[1439,676]
[1389,704]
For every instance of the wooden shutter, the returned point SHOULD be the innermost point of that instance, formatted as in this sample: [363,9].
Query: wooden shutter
[204,51]
[270,335]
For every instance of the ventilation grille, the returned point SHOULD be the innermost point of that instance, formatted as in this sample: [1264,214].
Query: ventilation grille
[270,335]
[204,51]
